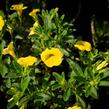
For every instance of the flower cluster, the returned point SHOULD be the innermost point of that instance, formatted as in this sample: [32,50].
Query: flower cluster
[43,65]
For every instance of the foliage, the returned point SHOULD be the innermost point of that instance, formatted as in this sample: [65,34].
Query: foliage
[44,66]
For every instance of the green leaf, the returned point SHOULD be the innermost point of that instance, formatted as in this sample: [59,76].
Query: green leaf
[64,32]
[11,104]
[57,76]
[23,102]
[104,83]
[3,70]
[53,12]
[47,77]
[37,70]
[60,78]
[93,92]
[14,100]
[24,83]
[8,83]
[56,86]
[65,52]
[75,67]
[19,94]
[2,45]
[105,74]
[16,67]
[67,94]
[82,102]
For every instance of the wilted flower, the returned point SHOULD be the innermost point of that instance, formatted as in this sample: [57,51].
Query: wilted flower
[18,8]
[34,12]
[32,29]
[27,61]
[83,46]
[52,57]
[1,23]
[9,50]
[102,65]
[74,107]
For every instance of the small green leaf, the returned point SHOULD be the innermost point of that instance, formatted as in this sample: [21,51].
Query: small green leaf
[105,74]
[93,92]
[24,83]
[14,100]
[75,67]
[2,45]
[57,76]
[3,70]
[56,86]
[22,102]
[67,94]
[65,52]
[82,102]
[104,83]
[8,83]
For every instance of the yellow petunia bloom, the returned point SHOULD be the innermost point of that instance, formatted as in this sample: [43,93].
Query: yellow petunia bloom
[83,46]
[102,65]
[1,23]
[9,50]
[18,8]
[52,57]
[34,12]
[74,107]
[27,61]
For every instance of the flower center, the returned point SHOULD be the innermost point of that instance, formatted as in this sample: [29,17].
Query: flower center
[49,56]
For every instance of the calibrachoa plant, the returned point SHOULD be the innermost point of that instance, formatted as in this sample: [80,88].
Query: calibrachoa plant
[44,65]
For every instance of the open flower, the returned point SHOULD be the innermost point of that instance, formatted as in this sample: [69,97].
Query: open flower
[52,57]
[83,46]
[1,23]
[34,12]
[27,61]
[18,8]
[74,107]
[9,50]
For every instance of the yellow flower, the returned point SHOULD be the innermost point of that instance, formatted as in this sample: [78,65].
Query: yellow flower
[9,50]
[83,46]
[74,107]
[52,57]
[27,61]
[1,23]
[34,12]
[18,8]
[102,65]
